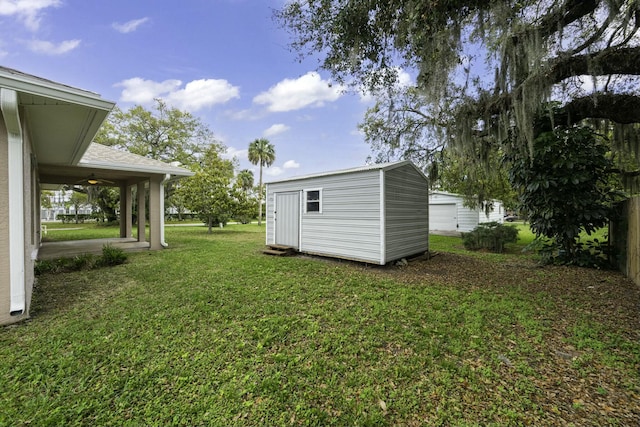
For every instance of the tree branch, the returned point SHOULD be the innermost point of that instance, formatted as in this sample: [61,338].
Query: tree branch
[619,108]
[571,11]
[606,62]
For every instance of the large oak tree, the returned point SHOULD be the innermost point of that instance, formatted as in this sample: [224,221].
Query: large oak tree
[487,67]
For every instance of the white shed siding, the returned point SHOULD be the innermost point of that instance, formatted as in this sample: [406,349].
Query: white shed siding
[437,198]
[375,213]
[349,224]
[467,218]
[406,213]
[270,201]
[495,215]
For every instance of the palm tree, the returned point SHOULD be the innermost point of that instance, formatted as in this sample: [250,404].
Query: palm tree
[261,152]
[245,180]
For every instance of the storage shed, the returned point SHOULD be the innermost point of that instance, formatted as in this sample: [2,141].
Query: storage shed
[376,213]
[448,213]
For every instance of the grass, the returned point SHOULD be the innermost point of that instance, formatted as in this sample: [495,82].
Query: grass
[212,332]
[57,231]
[520,248]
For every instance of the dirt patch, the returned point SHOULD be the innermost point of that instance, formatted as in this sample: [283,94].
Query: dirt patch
[575,385]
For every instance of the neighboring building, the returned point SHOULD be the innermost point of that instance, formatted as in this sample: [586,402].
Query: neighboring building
[448,213]
[46,129]
[375,214]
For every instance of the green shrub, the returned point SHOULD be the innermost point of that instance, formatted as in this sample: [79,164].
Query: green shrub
[69,218]
[590,254]
[491,236]
[112,256]
[44,266]
[83,262]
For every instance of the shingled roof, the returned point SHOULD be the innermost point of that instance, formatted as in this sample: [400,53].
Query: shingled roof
[102,157]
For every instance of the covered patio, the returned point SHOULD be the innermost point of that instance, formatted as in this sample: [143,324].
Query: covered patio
[106,166]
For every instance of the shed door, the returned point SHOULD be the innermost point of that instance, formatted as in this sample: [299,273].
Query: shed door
[443,217]
[287,218]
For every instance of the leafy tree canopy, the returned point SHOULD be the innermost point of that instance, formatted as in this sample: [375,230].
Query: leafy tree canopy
[478,182]
[164,133]
[485,67]
[208,192]
[261,153]
[244,180]
[565,188]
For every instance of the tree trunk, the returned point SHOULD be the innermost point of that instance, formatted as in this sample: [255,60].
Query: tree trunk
[260,198]
[210,222]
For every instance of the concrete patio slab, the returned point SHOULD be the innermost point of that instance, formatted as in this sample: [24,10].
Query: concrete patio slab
[69,248]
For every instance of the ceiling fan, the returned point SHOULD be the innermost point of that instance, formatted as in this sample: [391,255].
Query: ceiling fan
[93,180]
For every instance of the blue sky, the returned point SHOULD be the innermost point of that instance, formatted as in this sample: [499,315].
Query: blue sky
[225,61]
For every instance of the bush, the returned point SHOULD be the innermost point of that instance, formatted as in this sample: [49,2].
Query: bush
[70,218]
[491,236]
[83,262]
[590,254]
[112,256]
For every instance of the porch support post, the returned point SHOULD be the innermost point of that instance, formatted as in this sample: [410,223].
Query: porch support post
[142,212]
[125,210]
[156,212]
[162,241]
[15,169]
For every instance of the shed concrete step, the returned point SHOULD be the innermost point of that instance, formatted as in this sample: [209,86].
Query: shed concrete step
[279,250]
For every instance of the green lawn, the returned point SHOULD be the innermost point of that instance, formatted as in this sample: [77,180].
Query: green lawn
[213,332]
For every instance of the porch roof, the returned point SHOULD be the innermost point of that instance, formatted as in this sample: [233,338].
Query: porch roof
[63,122]
[110,167]
[64,119]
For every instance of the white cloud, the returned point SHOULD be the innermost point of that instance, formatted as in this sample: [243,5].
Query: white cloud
[404,79]
[274,171]
[129,26]
[234,152]
[277,170]
[305,91]
[194,96]
[291,164]
[203,93]
[246,114]
[50,48]
[141,91]
[27,11]
[275,130]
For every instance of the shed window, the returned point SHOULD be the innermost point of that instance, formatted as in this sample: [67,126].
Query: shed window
[313,200]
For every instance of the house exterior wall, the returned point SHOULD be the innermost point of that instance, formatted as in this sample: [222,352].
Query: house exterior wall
[406,213]
[348,225]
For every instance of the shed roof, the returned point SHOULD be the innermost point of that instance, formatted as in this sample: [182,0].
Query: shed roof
[374,166]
